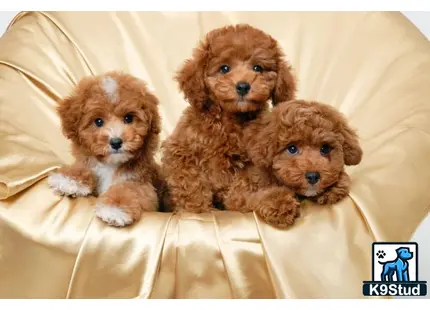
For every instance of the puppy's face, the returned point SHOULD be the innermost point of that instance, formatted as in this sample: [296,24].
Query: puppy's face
[239,68]
[240,76]
[110,117]
[306,145]
[311,159]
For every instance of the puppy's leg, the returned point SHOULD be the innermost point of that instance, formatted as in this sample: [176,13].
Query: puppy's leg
[189,193]
[335,193]
[237,196]
[198,199]
[124,203]
[236,201]
[74,181]
[275,205]
[245,183]
[187,185]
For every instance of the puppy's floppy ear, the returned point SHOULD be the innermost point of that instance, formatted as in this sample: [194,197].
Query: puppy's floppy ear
[69,110]
[286,84]
[156,123]
[352,151]
[152,115]
[152,102]
[191,77]
[261,138]
[156,119]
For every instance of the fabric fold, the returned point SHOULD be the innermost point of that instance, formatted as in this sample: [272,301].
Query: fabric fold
[200,271]
[32,144]
[335,253]
[119,263]
[242,254]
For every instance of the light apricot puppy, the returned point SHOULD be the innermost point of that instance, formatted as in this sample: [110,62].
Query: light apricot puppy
[113,123]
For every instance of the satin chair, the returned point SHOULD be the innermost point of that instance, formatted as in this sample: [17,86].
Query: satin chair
[374,67]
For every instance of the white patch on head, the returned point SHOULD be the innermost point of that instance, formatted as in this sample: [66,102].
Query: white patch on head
[113,215]
[106,175]
[110,86]
[64,185]
[310,192]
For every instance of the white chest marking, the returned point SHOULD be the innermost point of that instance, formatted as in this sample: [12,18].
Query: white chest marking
[107,176]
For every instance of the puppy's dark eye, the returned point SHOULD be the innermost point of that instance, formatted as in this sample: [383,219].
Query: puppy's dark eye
[224,69]
[325,149]
[128,118]
[292,149]
[257,68]
[99,122]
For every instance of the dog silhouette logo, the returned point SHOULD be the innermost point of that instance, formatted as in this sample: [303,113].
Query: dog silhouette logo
[394,271]
[399,267]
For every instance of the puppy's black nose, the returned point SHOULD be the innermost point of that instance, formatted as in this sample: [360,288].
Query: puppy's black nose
[312,177]
[243,88]
[115,143]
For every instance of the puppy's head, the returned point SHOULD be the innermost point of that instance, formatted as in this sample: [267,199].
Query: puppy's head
[112,117]
[305,144]
[239,68]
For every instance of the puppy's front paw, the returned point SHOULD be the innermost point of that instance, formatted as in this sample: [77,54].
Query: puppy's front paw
[113,215]
[64,185]
[331,197]
[281,212]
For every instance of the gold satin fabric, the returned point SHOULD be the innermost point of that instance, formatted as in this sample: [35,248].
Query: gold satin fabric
[374,67]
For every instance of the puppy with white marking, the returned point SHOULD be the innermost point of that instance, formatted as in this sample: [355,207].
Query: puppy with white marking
[113,123]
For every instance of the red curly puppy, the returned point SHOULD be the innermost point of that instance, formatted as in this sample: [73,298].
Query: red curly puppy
[229,81]
[299,151]
[113,123]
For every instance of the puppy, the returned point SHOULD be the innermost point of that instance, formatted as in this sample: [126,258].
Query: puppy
[113,123]
[232,76]
[299,150]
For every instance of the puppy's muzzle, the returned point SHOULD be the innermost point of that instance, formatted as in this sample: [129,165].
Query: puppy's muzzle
[313,177]
[115,143]
[243,88]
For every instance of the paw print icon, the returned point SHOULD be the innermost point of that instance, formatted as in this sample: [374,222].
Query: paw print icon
[380,254]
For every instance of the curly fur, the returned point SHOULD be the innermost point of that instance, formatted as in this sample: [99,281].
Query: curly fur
[125,180]
[205,151]
[275,181]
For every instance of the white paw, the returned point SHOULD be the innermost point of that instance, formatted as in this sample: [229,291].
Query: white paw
[113,215]
[64,185]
